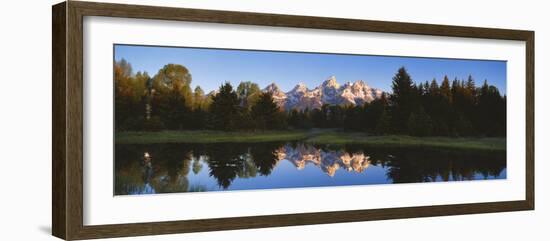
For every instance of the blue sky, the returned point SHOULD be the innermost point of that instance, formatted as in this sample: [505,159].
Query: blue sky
[211,67]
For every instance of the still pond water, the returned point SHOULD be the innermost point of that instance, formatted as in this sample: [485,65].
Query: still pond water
[173,168]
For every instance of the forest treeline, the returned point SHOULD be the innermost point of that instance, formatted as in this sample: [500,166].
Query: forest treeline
[166,101]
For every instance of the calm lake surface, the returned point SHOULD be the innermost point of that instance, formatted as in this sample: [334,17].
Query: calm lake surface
[173,168]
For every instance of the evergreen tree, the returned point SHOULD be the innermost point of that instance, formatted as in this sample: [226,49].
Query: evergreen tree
[404,99]
[353,117]
[491,111]
[335,116]
[445,89]
[440,108]
[225,109]
[317,119]
[419,123]
[471,86]
[383,125]
[373,113]
[471,99]
[463,126]
[434,88]
[325,110]
[294,118]
[264,112]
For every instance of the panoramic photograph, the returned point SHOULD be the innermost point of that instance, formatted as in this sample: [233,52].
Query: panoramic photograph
[204,119]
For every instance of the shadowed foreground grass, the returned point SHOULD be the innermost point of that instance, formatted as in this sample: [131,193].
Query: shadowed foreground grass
[314,137]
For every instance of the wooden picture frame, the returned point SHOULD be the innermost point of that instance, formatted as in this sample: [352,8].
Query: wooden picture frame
[67,159]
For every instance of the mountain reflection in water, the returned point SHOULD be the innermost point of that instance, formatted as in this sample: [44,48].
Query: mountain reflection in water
[173,168]
[327,160]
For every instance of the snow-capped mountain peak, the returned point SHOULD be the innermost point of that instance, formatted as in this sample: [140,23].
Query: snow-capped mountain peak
[331,83]
[329,92]
[272,88]
[299,88]
[278,95]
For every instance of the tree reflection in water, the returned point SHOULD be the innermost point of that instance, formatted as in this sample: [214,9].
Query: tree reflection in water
[174,168]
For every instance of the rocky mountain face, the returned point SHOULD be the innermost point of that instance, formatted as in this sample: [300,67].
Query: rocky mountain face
[278,95]
[329,92]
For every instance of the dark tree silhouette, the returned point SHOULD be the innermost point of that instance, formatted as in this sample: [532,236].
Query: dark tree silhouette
[403,100]
[419,123]
[225,109]
[264,112]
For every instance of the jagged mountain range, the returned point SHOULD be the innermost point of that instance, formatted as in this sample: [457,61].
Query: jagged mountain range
[329,92]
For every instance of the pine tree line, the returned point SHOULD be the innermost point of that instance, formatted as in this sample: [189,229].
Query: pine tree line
[166,101]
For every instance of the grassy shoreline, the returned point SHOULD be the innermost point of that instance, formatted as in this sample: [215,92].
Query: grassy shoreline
[314,137]
[493,144]
[206,136]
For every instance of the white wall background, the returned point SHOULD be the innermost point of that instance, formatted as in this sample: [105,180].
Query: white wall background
[25,119]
